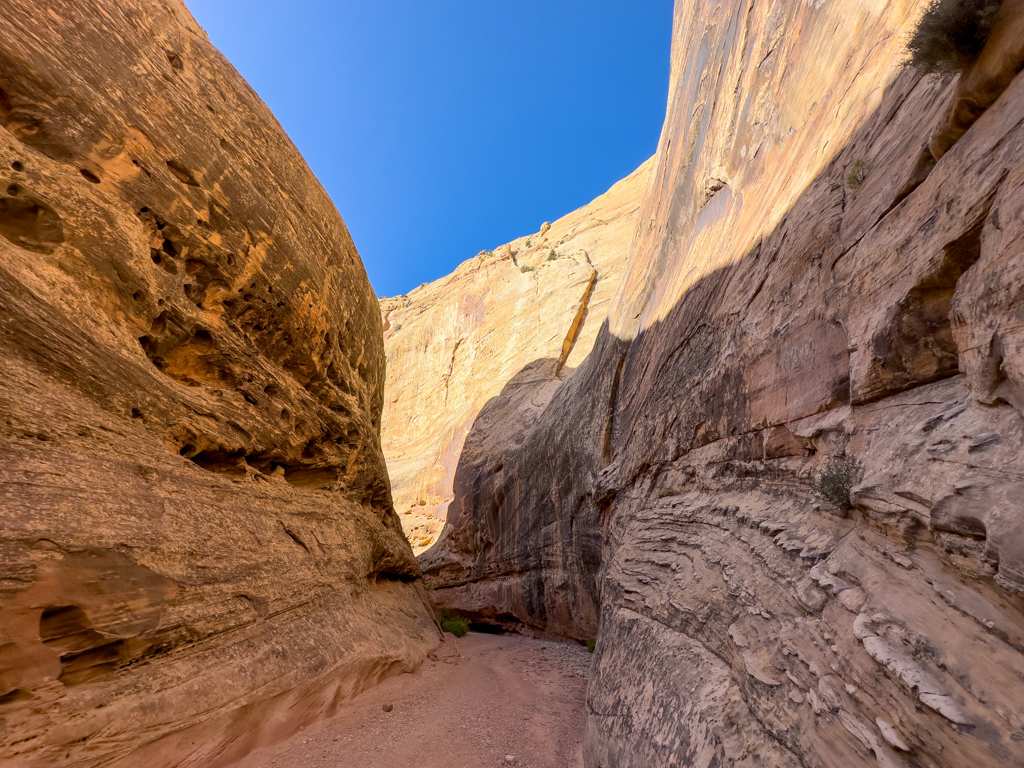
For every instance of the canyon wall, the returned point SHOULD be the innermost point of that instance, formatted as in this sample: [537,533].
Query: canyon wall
[826,284]
[198,551]
[453,344]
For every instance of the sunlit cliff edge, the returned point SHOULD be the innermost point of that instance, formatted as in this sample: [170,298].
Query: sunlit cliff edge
[454,343]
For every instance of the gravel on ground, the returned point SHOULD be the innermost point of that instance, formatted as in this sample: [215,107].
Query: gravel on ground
[480,701]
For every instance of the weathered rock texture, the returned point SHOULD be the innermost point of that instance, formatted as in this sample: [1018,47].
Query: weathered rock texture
[453,344]
[198,551]
[807,285]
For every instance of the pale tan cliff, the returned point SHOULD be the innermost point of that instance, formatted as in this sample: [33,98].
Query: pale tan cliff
[454,343]
[828,271]
[198,552]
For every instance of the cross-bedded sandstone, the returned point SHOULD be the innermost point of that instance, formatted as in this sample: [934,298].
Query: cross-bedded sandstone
[827,265]
[198,551]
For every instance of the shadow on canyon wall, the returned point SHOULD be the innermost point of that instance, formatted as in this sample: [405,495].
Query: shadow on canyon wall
[540,470]
[664,493]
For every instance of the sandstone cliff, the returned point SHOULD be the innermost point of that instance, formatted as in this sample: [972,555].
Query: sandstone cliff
[198,551]
[827,277]
[453,344]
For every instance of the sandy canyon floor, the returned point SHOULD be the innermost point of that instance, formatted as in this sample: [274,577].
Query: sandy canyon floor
[479,701]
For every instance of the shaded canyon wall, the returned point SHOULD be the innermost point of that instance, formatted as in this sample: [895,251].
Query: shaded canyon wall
[827,273]
[453,344]
[198,551]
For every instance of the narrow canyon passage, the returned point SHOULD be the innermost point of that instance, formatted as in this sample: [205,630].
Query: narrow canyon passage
[752,420]
[479,701]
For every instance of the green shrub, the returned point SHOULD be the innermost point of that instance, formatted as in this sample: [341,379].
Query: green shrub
[525,268]
[837,480]
[950,35]
[528,244]
[552,256]
[591,643]
[453,622]
[858,173]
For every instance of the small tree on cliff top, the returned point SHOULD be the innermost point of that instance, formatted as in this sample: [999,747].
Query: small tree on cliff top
[951,35]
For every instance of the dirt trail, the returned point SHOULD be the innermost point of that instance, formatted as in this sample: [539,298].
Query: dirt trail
[478,701]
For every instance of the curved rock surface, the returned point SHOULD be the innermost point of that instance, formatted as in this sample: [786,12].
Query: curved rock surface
[453,343]
[810,292]
[198,551]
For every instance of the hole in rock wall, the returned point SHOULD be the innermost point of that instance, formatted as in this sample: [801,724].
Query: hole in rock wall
[378,498]
[174,60]
[29,223]
[181,173]
[85,654]
[954,514]
[220,461]
[60,622]
[194,361]
[235,462]
[17,694]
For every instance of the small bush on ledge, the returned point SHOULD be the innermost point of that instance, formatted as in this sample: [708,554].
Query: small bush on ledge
[858,173]
[591,643]
[951,35]
[452,622]
[836,481]
[525,268]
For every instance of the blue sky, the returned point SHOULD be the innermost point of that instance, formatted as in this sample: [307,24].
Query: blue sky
[447,127]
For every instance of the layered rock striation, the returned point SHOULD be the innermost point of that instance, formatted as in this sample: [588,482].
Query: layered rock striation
[198,551]
[786,488]
[454,343]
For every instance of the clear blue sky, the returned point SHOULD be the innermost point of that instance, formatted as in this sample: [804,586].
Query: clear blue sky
[441,128]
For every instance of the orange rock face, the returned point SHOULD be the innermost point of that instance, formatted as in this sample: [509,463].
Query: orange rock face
[454,343]
[198,551]
[786,488]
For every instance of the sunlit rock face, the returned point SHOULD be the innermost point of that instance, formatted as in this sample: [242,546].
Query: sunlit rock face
[810,292]
[198,551]
[453,344]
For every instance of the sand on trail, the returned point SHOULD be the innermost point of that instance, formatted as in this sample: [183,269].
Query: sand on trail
[477,702]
